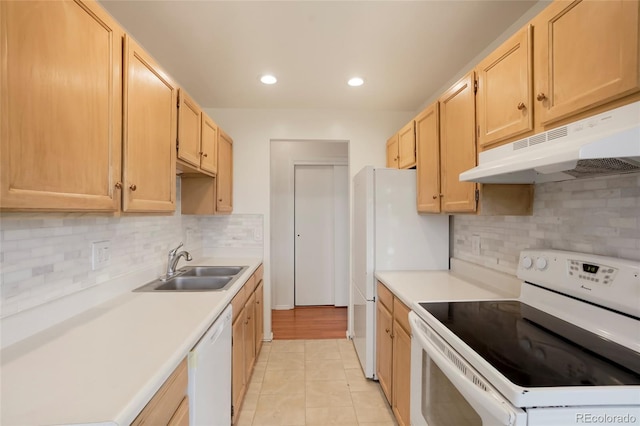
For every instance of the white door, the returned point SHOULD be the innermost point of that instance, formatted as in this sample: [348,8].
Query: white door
[314,235]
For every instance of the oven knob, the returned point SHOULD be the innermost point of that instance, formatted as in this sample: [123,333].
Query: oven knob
[527,263]
[541,264]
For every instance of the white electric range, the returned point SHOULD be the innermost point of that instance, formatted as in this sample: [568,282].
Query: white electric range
[567,352]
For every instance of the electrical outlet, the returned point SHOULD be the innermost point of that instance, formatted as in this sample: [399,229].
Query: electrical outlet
[100,254]
[475,245]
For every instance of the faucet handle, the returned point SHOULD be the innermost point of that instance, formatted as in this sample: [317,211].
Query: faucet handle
[175,250]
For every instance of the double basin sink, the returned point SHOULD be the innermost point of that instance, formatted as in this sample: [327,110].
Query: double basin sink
[197,278]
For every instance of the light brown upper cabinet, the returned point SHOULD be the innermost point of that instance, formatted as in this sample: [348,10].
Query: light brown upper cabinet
[392,152]
[428,160]
[458,145]
[209,145]
[197,138]
[585,54]
[61,97]
[149,166]
[188,129]
[504,97]
[224,179]
[407,146]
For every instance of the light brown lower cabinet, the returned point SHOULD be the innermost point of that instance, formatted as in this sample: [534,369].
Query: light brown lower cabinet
[244,347]
[170,405]
[393,352]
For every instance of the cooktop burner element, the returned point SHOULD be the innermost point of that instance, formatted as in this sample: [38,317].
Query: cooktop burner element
[534,349]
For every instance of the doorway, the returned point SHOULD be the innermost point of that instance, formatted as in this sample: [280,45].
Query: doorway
[285,156]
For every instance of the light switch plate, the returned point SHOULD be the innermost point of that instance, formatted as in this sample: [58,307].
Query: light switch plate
[100,254]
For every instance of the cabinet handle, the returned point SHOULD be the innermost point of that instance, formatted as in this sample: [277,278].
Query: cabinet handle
[541,97]
[133,187]
[119,185]
[521,106]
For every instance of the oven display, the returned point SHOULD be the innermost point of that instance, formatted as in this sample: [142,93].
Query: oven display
[592,269]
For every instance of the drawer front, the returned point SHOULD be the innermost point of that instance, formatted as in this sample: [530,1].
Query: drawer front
[401,314]
[385,296]
[237,303]
[166,401]
[259,274]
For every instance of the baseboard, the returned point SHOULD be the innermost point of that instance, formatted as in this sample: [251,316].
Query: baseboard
[283,307]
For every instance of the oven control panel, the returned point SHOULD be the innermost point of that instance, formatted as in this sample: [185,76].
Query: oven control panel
[591,273]
[606,281]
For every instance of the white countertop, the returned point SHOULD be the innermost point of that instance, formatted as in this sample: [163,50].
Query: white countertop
[454,285]
[104,365]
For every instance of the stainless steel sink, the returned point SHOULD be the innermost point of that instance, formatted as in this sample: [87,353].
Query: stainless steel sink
[211,271]
[183,283]
[197,278]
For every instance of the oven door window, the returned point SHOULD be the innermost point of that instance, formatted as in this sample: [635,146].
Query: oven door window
[442,404]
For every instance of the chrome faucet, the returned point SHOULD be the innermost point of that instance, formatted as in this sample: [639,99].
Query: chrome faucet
[173,259]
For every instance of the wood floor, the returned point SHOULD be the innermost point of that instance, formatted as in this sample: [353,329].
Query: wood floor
[309,322]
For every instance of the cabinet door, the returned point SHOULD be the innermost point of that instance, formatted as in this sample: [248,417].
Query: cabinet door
[505,83]
[188,130]
[224,179]
[401,374]
[237,362]
[259,316]
[392,152]
[428,160]
[585,54]
[458,146]
[149,134]
[209,145]
[407,146]
[61,97]
[250,335]
[384,348]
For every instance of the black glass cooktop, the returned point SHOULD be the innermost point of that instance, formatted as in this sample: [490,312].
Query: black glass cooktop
[535,349]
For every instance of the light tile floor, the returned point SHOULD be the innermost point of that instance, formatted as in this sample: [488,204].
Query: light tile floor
[312,382]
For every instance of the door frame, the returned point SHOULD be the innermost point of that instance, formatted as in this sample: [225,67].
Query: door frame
[322,162]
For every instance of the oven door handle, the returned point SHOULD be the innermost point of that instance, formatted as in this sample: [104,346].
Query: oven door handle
[493,409]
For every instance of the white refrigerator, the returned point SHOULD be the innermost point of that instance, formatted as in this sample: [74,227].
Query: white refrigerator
[388,235]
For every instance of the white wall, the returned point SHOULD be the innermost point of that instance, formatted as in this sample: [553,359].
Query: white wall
[284,156]
[252,130]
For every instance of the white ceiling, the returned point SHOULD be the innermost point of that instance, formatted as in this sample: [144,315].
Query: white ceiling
[405,50]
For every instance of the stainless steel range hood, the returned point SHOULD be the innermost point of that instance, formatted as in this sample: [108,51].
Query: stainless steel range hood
[604,144]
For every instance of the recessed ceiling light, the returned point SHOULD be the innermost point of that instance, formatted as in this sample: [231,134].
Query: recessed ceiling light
[355,82]
[268,79]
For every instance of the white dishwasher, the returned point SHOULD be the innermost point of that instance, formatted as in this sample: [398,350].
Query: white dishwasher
[210,375]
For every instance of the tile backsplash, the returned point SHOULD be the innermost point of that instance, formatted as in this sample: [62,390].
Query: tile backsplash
[599,216]
[45,256]
[232,231]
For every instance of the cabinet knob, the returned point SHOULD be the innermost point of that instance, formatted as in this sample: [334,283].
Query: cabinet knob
[541,97]
[118,185]
[386,330]
[435,197]
[204,154]
[521,105]
[133,187]
[220,199]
